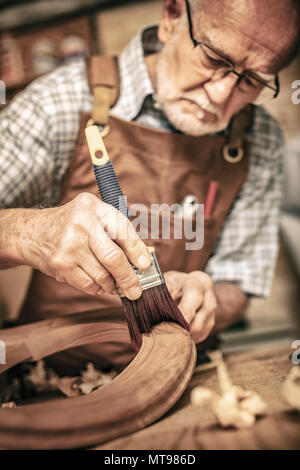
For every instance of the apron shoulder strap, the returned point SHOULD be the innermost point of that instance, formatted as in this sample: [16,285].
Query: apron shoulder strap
[239,125]
[103,78]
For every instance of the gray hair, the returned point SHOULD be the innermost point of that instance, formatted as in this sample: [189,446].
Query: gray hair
[292,6]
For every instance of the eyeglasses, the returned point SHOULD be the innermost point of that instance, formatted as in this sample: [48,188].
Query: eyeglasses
[249,83]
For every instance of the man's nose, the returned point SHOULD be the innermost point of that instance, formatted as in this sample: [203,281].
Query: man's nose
[220,90]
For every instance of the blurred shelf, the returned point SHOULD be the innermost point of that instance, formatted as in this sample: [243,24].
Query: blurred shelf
[28,13]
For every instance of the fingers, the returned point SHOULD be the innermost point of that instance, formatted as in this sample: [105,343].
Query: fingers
[114,260]
[123,232]
[174,281]
[204,320]
[198,304]
[99,274]
[80,280]
[192,297]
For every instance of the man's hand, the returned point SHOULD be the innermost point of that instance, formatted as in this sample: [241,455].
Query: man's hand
[196,299]
[84,243]
[208,307]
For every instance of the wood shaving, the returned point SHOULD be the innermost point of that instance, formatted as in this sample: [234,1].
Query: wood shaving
[39,379]
[90,379]
[42,378]
[9,404]
[234,406]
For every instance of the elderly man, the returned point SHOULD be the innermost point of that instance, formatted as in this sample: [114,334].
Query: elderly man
[176,117]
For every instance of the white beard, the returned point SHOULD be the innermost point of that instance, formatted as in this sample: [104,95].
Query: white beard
[191,123]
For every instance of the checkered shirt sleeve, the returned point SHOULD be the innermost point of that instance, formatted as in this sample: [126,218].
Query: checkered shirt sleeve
[38,131]
[247,246]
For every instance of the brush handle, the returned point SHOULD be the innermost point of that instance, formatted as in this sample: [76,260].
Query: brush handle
[106,177]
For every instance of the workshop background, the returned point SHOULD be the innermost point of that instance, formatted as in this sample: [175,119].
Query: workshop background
[37,36]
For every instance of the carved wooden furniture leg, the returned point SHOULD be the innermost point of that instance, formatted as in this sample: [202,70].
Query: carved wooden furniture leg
[141,394]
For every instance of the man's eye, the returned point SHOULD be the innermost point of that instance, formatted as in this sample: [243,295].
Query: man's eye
[251,82]
[215,61]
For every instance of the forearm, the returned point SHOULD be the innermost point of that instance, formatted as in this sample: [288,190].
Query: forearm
[231,301]
[16,229]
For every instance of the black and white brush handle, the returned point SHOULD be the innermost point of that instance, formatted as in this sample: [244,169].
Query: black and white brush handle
[112,194]
[106,177]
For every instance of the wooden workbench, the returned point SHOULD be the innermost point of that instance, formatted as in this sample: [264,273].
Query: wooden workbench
[190,427]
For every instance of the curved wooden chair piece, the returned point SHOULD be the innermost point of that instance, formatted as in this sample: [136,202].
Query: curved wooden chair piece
[149,386]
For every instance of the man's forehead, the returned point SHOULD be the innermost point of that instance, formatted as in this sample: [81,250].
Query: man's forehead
[250,13]
[238,26]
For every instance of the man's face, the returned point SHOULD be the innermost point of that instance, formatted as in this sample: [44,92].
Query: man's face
[195,102]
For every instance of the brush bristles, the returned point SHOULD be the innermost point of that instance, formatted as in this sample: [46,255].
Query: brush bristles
[154,306]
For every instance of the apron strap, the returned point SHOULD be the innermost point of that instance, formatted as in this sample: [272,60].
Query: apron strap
[233,150]
[103,78]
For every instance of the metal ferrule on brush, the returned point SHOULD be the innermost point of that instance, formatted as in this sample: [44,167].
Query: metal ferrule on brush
[150,277]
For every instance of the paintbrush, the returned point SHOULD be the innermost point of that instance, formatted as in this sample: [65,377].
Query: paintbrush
[156,303]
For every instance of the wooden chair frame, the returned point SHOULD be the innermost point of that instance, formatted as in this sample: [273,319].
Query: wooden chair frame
[144,391]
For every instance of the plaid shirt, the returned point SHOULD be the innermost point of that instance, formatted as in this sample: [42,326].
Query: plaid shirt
[39,128]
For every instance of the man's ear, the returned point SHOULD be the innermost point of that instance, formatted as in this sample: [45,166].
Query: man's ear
[172,11]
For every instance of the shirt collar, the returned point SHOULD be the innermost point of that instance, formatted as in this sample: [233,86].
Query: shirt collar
[135,83]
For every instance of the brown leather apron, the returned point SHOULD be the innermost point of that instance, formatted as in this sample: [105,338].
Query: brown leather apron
[153,167]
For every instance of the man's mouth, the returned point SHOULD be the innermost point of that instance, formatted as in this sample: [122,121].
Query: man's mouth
[190,107]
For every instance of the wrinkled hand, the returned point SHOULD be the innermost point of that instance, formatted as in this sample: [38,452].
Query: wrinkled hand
[86,244]
[194,293]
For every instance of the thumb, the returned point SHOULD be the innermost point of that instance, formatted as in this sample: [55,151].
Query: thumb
[175,281]
[192,299]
